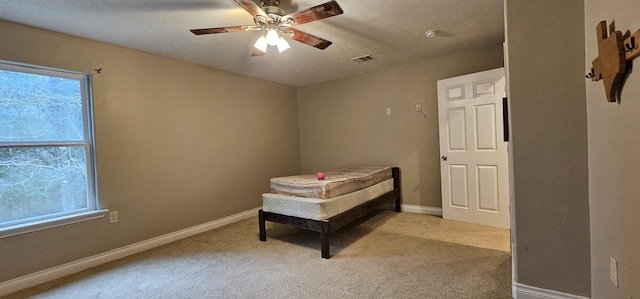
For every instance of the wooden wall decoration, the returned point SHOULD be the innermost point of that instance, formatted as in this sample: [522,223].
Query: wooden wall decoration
[614,51]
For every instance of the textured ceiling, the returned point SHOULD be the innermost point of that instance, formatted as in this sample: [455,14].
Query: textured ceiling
[391,31]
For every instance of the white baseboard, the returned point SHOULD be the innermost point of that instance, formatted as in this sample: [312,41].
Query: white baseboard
[522,291]
[30,280]
[422,210]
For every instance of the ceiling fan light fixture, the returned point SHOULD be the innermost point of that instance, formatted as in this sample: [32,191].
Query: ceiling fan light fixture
[283,45]
[261,44]
[272,37]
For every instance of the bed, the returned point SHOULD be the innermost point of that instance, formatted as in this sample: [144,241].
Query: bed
[324,206]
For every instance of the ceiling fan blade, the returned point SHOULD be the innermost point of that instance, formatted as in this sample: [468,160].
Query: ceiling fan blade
[318,12]
[252,8]
[309,39]
[224,29]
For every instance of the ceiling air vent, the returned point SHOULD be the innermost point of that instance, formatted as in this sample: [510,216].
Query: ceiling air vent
[363,59]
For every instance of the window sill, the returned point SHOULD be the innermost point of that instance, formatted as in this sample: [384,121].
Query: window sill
[15,230]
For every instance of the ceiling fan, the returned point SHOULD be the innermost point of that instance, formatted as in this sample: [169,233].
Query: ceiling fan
[276,23]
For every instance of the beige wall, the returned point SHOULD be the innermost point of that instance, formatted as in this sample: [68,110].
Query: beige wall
[177,145]
[174,139]
[344,122]
[545,42]
[614,166]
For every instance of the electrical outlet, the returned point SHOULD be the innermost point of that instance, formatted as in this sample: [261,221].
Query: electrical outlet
[419,107]
[388,111]
[113,216]
[613,269]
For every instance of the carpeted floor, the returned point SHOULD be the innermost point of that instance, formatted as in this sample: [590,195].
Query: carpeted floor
[386,255]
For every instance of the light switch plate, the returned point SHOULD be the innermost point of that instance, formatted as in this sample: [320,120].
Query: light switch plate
[613,269]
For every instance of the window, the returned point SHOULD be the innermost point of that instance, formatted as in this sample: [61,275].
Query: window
[47,173]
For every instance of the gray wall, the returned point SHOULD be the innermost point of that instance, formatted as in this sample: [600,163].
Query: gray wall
[344,122]
[614,167]
[177,145]
[545,40]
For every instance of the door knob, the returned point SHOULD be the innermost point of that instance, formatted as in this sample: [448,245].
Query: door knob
[444,158]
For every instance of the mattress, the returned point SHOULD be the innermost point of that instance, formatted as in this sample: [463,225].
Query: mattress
[319,208]
[337,182]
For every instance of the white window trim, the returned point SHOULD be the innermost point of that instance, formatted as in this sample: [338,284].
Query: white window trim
[93,212]
[10,231]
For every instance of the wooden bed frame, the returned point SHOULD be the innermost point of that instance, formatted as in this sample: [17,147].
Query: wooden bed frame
[326,227]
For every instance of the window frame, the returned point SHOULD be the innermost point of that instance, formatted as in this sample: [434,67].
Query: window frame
[92,211]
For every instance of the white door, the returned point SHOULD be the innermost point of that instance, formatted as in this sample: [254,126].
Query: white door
[474,160]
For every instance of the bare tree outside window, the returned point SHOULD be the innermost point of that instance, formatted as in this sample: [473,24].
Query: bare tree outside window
[46,152]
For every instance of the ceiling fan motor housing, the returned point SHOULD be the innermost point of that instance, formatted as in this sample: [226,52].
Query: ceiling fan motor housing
[272,9]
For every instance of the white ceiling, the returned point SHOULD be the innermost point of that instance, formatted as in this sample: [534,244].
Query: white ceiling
[393,31]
